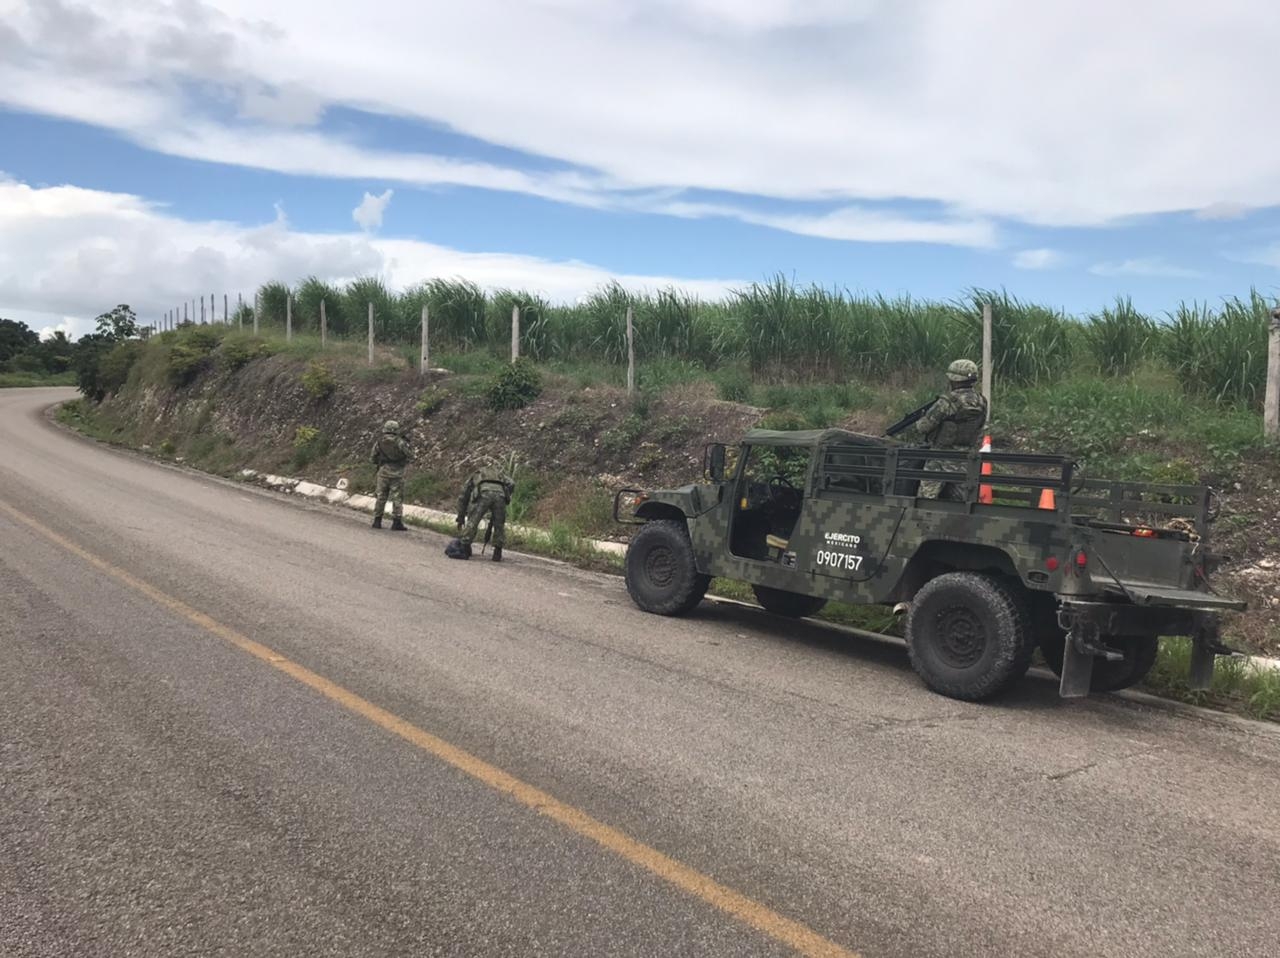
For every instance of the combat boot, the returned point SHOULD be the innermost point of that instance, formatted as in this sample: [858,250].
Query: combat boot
[397,525]
[497,553]
[377,522]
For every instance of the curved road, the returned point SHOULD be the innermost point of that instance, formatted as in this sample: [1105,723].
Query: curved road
[232,724]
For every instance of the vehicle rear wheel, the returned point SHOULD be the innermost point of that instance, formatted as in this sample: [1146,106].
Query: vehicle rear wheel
[662,575]
[791,604]
[1139,656]
[968,635]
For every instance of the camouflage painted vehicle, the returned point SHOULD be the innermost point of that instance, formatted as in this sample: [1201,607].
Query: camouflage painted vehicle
[1091,571]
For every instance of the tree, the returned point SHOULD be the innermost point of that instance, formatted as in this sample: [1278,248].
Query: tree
[118,324]
[15,338]
[112,328]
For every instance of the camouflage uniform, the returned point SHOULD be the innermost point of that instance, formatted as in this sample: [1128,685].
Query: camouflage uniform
[486,493]
[390,454]
[955,421]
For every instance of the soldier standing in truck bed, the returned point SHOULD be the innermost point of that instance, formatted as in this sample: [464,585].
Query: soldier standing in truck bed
[955,421]
[390,454]
[487,493]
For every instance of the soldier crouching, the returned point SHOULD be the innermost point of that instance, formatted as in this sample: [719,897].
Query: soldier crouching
[487,493]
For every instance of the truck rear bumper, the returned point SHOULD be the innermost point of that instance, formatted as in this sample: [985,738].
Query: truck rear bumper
[1089,624]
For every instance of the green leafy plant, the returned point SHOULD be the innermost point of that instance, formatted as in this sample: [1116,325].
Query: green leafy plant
[318,380]
[515,386]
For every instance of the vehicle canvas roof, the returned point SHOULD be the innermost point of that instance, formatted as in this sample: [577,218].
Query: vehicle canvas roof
[811,437]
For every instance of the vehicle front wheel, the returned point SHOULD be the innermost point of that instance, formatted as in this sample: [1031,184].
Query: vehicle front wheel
[662,575]
[968,635]
[1140,654]
[791,604]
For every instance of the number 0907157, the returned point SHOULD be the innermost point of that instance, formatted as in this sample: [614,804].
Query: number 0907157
[847,561]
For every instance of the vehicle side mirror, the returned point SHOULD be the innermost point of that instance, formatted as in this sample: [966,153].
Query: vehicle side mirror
[714,462]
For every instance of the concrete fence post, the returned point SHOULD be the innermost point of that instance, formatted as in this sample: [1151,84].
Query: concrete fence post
[240,310]
[288,317]
[986,356]
[631,351]
[257,310]
[370,334]
[515,333]
[226,310]
[426,350]
[1271,403]
[324,325]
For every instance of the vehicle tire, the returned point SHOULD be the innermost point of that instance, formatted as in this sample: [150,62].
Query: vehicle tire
[662,575]
[968,635]
[791,604]
[1139,656]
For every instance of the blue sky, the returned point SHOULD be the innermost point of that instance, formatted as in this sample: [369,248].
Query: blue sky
[171,148]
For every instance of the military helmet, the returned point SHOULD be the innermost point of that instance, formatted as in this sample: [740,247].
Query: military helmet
[962,370]
[391,426]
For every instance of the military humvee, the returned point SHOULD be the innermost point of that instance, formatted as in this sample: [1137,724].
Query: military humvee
[1091,571]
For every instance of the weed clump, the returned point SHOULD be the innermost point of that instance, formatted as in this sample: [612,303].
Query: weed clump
[514,387]
[309,444]
[318,380]
[430,401]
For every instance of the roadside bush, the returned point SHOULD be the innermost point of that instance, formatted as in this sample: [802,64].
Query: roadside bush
[114,367]
[185,363]
[318,380]
[309,444]
[239,351]
[430,401]
[515,386]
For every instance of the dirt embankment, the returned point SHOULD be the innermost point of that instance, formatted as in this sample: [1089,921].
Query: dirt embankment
[575,444]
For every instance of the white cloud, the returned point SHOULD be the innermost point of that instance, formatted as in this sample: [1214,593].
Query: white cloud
[1037,259]
[853,223]
[1145,266]
[1222,211]
[788,99]
[67,254]
[368,215]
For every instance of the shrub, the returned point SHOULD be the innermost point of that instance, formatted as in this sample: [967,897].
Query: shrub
[309,444]
[430,401]
[114,367]
[318,380]
[185,363]
[517,385]
[240,351]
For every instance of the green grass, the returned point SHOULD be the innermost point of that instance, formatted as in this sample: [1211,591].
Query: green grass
[14,380]
[1238,685]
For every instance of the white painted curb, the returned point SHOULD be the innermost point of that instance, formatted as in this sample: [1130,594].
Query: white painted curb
[363,503]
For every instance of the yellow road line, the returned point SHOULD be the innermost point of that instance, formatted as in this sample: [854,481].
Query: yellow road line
[764,919]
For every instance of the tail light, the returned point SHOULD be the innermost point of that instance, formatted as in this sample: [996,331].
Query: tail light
[1082,560]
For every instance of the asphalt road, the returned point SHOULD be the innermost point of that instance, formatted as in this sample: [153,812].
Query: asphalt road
[167,787]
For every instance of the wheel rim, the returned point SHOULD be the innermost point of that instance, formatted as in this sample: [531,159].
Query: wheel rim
[961,637]
[660,567]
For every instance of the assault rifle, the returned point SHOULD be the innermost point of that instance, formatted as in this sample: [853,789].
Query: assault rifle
[910,419]
[488,534]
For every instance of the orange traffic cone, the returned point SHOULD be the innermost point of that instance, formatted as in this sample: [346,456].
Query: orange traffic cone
[984,491]
[1046,499]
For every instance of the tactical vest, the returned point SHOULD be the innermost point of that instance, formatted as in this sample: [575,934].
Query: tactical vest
[391,451]
[962,427]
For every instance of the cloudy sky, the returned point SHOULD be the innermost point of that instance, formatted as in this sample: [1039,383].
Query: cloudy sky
[1070,150]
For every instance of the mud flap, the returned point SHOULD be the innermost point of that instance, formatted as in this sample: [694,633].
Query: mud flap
[1077,671]
[1204,652]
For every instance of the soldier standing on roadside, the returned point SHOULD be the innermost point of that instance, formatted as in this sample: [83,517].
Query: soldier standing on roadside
[955,421]
[390,454]
[487,493]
